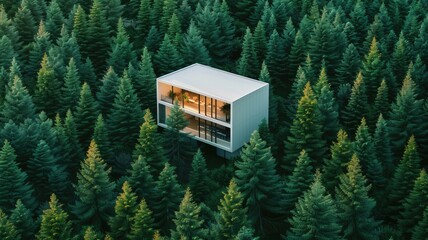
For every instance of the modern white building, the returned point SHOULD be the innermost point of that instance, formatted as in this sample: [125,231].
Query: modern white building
[222,108]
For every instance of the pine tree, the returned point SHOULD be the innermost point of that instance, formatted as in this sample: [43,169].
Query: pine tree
[176,142]
[247,64]
[91,234]
[354,204]
[153,39]
[260,41]
[146,87]
[258,181]
[167,58]
[7,230]
[18,104]
[382,143]
[372,70]
[54,19]
[47,90]
[110,83]
[39,169]
[199,181]
[76,151]
[149,145]
[232,212]
[400,57]
[86,114]
[267,136]
[113,11]
[188,222]
[327,106]
[71,89]
[357,106]
[360,22]
[22,220]
[80,29]
[143,23]
[404,177]
[125,208]
[141,180]
[168,194]
[275,59]
[305,132]
[101,137]
[298,182]
[98,38]
[414,205]
[381,103]
[142,223]
[55,223]
[7,52]
[193,49]
[13,181]
[121,50]
[25,26]
[174,30]
[315,215]
[348,67]
[94,190]
[125,117]
[421,230]
[406,118]
[365,150]
[294,97]
[420,76]
[273,101]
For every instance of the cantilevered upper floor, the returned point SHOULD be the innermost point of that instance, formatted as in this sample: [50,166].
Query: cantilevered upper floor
[222,108]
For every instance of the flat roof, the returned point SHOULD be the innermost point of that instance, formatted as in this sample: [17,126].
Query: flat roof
[212,82]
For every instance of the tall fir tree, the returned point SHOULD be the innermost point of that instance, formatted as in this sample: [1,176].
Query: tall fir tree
[25,26]
[48,88]
[247,64]
[125,208]
[80,29]
[232,212]
[141,180]
[315,215]
[414,205]
[54,19]
[143,23]
[71,89]
[93,190]
[199,181]
[298,182]
[381,103]
[421,230]
[86,115]
[17,104]
[404,177]
[21,218]
[188,222]
[355,206]
[167,58]
[149,145]
[121,50]
[193,49]
[54,223]
[107,91]
[275,58]
[7,230]
[400,57]
[101,137]
[257,179]
[125,117]
[146,87]
[305,132]
[372,70]
[76,150]
[13,181]
[357,106]
[273,100]
[168,194]
[382,143]
[142,223]
[348,67]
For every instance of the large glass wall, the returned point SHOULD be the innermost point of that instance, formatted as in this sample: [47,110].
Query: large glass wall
[194,102]
[200,127]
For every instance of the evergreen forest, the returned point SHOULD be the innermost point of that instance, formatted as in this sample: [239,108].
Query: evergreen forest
[343,154]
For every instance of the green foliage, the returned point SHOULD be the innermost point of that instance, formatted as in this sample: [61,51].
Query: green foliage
[101,137]
[125,117]
[233,213]
[348,67]
[13,181]
[71,88]
[168,194]
[305,132]
[372,70]
[126,205]
[167,58]
[141,180]
[199,181]
[22,220]
[39,47]
[193,49]
[86,115]
[55,223]
[76,151]
[149,145]
[94,190]
[315,215]
[7,52]
[121,52]
[382,143]
[54,19]
[257,179]
[414,205]
[188,223]
[298,182]
[247,64]
[420,230]
[142,223]
[146,86]
[18,104]
[25,25]
[354,204]
[275,60]
[107,92]
[7,230]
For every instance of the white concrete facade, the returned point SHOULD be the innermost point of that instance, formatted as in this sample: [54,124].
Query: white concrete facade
[222,108]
